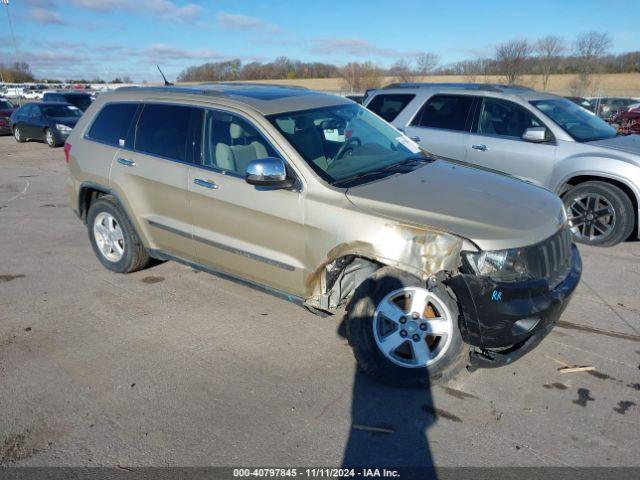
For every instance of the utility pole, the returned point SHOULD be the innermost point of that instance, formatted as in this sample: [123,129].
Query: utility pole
[13,37]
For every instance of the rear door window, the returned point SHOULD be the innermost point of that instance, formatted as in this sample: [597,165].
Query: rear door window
[450,112]
[112,124]
[389,106]
[169,131]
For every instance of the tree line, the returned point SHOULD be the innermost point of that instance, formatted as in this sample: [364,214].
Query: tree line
[585,56]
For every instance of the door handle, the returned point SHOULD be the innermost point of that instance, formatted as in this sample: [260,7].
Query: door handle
[415,138]
[480,147]
[206,184]
[126,162]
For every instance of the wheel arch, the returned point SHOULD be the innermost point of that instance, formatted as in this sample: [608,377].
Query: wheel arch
[622,184]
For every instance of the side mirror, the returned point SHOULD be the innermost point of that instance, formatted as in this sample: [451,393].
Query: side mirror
[268,172]
[535,135]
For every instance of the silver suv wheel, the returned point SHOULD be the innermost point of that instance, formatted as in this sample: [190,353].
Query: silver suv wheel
[412,327]
[108,236]
[591,217]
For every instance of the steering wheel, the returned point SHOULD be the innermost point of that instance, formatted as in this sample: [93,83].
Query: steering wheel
[346,147]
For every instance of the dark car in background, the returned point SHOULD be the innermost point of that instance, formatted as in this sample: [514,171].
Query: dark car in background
[81,100]
[6,109]
[50,122]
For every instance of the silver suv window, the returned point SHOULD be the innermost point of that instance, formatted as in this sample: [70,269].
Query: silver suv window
[504,118]
[582,125]
[389,105]
[450,112]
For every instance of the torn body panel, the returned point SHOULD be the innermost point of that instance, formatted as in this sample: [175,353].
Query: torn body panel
[380,242]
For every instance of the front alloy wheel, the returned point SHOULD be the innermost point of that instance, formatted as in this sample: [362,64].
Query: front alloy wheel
[404,333]
[599,213]
[50,138]
[412,327]
[17,134]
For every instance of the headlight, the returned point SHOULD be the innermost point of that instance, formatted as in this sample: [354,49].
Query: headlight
[62,128]
[501,265]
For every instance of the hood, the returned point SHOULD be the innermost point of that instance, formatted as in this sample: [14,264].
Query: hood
[494,211]
[68,121]
[624,143]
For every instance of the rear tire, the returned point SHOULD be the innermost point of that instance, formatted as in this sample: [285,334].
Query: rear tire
[600,214]
[402,366]
[17,134]
[113,238]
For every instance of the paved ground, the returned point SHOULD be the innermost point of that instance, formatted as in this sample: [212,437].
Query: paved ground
[169,366]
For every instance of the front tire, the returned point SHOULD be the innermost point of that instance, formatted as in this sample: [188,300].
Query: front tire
[50,138]
[600,214]
[113,238]
[18,135]
[404,334]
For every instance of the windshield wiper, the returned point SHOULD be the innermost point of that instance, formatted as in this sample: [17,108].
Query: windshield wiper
[404,166]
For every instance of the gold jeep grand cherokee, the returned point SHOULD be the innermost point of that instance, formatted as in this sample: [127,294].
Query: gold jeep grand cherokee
[315,199]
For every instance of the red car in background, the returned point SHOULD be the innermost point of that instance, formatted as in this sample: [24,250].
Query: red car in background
[6,109]
[627,120]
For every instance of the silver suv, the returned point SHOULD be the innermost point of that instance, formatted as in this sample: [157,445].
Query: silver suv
[315,199]
[538,137]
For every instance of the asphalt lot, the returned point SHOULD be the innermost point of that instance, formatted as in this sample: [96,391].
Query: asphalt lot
[169,366]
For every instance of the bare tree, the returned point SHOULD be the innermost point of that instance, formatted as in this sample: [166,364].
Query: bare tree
[549,51]
[590,47]
[427,63]
[511,58]
[402,70]
[358,77]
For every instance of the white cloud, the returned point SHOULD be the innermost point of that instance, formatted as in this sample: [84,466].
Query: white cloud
[46,16]
[238,21]
[356,47]
[163,8]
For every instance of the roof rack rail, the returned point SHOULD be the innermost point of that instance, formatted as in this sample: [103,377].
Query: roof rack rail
[255,84]
[188,90]
[490,87]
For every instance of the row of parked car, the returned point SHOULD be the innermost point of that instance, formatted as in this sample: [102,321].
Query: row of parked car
[445,238]
[49,120]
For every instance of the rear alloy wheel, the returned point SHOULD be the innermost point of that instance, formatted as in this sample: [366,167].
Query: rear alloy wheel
[17,134]
[50,138]
[113,238]
[599,214]
[403,333]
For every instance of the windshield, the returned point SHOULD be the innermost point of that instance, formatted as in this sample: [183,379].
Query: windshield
[59,111]
[80,101]
[5,104]
[583,126]
[344,141]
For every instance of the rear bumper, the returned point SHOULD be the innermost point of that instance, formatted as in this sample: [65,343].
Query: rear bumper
[504,321]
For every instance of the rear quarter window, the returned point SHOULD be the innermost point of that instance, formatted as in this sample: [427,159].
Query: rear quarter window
[389,106]
[112,123]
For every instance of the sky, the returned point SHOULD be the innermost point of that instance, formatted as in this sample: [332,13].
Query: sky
[115,38]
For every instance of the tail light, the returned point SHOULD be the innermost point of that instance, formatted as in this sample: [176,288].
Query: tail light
[67,149]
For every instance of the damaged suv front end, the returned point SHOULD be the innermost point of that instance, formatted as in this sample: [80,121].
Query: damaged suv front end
[511,299]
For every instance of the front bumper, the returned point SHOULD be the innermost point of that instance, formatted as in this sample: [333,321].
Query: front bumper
[504,321]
